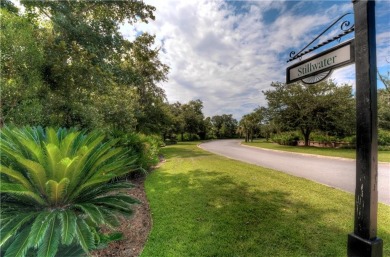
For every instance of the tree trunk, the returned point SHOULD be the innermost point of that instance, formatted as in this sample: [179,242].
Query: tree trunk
[306,135]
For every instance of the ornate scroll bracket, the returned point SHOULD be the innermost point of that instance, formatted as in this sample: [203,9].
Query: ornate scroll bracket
[346,27]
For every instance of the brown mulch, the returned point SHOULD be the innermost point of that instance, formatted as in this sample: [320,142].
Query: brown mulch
[135,229]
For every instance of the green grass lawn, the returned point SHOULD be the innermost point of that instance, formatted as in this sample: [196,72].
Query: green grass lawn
[383,156]
[206,205]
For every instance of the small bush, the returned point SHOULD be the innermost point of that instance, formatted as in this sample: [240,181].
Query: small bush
[145,147]
[286,138]
[55,191]
[322,137]
[384,138]
[190,137]
[350,140]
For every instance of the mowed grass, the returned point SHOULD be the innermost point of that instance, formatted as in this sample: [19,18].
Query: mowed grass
[383,156]
[206,205]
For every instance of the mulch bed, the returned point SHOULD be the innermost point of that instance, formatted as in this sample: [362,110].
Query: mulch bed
[135,229]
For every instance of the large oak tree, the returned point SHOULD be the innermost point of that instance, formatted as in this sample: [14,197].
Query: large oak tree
[324,106]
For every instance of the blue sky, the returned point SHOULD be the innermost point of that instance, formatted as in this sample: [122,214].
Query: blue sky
[227,52]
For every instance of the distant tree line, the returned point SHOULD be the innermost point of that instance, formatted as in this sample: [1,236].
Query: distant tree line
[303,111]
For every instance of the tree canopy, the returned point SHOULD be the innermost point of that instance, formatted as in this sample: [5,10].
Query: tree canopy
[324,106]
[66,63]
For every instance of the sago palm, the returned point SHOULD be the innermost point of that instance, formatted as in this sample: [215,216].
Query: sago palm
[56,190]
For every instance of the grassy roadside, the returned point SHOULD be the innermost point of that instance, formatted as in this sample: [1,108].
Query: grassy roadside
[383,156]
[207,205]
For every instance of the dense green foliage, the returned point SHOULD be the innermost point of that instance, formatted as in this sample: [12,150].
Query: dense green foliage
[188,123]
[21,63]
[250,124]
[55,190]
[286,138]
[384,139]
[384,109]
[323,106]
[146,148]
[66,63]
[215,206]
[324,112]
[222,126]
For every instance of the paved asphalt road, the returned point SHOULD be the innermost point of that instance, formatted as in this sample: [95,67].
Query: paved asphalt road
[334,172]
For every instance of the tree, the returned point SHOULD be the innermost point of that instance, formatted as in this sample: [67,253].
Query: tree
[324,106]
[193,118]
[177,125]
[385,80]
[82,65]
[384,109]
[250,124]
[209,129]
[224,125]
[20,70]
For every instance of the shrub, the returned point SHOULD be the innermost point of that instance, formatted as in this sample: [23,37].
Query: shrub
[286,138]
[55,192]
[190,137]
[322,137]
[383,137]
[145,147]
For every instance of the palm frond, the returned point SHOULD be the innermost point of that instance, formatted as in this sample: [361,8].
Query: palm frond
[51,240]
[117,206]
[40,227]
[104,158]
[83,165]
[73,250]
[121,197]
[71,167]
[35,152]
[20,245]
[67,142]
[51,136]
[105,174]
[84,235]
[93,183]
[10,143]
[56,191]
[9,230]
[9,151]
[68,226]
[110,218]
[16,191]
[92,212]
[103,189]
[54,157]
[16,176]
[36,171]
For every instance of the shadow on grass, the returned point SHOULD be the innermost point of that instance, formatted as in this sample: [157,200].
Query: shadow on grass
[206,213]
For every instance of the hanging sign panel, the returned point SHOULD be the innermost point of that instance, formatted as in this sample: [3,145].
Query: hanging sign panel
[322,63]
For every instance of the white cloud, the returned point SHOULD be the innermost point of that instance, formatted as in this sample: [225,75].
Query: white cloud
[226,55]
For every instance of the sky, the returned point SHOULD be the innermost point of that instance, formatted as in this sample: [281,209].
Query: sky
[226,53]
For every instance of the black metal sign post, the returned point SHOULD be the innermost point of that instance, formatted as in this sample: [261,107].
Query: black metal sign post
[363,241]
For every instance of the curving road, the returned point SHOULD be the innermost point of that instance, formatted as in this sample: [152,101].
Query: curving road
[334,172]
